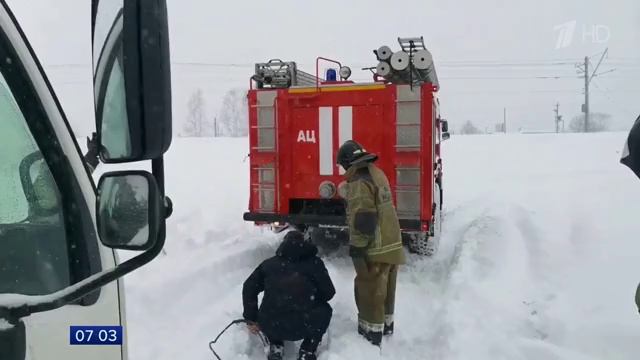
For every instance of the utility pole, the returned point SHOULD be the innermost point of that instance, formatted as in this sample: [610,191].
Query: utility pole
[504,124]
[588,77]
[558,118]
[586,93]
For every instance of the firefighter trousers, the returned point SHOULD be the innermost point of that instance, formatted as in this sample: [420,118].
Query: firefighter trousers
[375,293]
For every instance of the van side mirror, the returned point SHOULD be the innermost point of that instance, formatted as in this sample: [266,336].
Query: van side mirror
[132,79]
[446,136]
[128,210]
[445,126]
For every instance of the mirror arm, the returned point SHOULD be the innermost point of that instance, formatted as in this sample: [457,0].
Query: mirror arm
[157,168]
[168,207]
[88,285]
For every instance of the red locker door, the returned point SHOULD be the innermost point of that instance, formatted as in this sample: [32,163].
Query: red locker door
[368,129]
[305,152]
[316,134]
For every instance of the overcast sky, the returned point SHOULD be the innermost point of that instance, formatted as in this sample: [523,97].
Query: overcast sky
[489,53]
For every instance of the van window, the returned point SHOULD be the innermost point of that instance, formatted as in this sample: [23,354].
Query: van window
[115,126]
[47,235]
[33,250]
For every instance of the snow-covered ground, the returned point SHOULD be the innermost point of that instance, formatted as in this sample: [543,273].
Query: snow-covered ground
[538,260]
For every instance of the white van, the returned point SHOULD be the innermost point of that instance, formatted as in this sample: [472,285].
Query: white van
[55,274]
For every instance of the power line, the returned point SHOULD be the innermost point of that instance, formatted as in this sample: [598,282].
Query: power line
[439,64]
[510,91]
[459,64]
[606,92]
[509,77]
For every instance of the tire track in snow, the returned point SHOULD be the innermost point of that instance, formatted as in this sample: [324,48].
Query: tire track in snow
[488,278]
[423,322]
[446,308]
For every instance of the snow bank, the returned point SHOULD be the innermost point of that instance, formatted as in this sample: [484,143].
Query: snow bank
[538,258]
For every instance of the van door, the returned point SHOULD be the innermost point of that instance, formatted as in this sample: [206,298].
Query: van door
[47,236]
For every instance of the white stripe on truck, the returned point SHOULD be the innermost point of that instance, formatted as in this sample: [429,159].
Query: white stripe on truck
[326,140]
[345,127]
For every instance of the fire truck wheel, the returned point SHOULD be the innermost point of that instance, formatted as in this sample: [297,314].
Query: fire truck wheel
[420,242]
[438,214]
[299,227]
[439,185]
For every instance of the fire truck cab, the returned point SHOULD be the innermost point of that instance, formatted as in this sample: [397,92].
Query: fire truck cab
[298,122]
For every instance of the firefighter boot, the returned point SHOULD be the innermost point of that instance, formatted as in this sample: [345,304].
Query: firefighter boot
[388,325]
[388,329]
[374,336]
[276,351]
[306,355]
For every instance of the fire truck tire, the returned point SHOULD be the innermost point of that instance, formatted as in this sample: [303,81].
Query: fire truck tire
[299,227]
[421,243]
[439,185]
[327,239]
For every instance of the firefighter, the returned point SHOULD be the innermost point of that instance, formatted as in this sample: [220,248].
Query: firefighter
[375,241]
[295,306]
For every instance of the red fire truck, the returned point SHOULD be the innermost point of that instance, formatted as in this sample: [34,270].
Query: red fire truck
[298,121]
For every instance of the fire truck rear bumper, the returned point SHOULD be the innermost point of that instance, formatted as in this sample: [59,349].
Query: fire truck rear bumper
[328,220]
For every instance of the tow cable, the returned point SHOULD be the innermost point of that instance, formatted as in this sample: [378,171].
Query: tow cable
[263,339]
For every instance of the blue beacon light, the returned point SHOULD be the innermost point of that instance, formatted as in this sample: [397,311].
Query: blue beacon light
[332,75]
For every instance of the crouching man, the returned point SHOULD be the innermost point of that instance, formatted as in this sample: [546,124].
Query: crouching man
[297,289]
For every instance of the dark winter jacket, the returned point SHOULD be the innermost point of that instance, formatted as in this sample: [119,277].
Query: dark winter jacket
[295,282]
[631,158]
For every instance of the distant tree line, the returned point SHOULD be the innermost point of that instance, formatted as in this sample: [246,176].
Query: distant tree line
[469,128]
[598,122]
[231,121]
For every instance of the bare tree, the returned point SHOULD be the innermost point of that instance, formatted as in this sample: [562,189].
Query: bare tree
[233,119]
[598,122]
[197,124]
[469,129]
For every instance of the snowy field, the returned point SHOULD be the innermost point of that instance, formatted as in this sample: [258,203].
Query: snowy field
[538,260]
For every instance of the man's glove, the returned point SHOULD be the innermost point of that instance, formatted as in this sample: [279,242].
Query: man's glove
[92,144]
[253,327]
[357,252]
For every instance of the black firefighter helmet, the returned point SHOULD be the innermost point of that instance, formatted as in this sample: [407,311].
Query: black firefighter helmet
[352,153]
